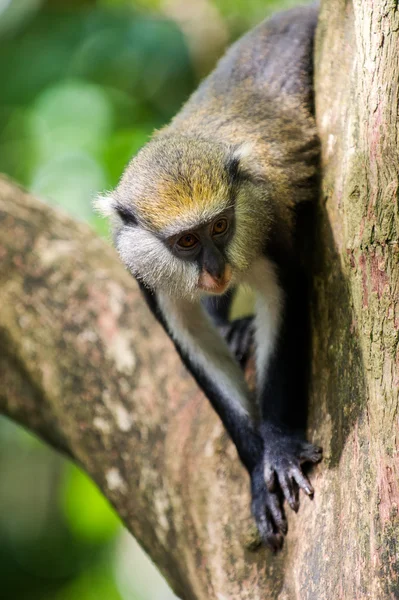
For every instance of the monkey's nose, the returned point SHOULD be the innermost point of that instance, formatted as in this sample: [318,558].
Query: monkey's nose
[220,278]
[215,284]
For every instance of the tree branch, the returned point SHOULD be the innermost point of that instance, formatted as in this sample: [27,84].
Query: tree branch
[85,365]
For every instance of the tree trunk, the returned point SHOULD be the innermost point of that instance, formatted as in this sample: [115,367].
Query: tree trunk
[84,364]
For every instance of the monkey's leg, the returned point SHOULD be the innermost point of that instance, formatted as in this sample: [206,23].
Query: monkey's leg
[209,360]
[238,333]
[283,395]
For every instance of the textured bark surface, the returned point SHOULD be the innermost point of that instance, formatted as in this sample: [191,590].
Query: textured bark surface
[84,364]
[356,365]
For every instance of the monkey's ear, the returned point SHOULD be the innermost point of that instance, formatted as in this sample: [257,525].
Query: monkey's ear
[105,205]
[108,206]
[242,163]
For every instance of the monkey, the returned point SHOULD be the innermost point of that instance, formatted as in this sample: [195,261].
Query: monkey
[211,203]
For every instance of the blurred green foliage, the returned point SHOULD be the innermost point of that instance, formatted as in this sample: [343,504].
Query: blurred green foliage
[91,520]
[81,91]
[83,83]
[57,532]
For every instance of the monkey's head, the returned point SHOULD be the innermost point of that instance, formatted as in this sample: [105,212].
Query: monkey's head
[189,216]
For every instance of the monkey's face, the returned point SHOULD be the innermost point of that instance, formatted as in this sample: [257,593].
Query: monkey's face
[186,220]
[205,247]
[189,263]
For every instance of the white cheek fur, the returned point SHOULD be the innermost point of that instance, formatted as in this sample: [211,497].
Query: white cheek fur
[148,259]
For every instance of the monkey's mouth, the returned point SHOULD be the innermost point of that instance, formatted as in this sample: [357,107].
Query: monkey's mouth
[215,285]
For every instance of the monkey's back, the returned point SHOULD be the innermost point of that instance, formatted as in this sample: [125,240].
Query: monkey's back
[261,92]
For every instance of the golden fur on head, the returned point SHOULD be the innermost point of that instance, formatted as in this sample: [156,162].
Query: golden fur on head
[176,182]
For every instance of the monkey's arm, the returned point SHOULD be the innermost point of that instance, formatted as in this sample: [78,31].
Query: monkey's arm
[282,385]
[209,360]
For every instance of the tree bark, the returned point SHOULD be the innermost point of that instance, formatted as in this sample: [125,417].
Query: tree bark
[84,364]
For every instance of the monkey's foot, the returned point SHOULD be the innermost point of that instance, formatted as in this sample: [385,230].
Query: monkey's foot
[239,335]
[268,511]
[284,455]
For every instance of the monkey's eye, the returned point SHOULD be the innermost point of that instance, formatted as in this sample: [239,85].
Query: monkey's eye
[188,241]
[219,227]
[127,215]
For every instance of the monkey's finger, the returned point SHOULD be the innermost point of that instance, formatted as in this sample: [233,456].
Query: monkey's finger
[302,481]
[238,335]
[274,540]
[290,489]
[262,515]
[277,512]
[296,490]
[246,335]
[269,477]
[310,453]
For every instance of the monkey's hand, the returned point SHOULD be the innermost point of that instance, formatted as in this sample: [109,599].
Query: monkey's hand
[284,454]
[239,336]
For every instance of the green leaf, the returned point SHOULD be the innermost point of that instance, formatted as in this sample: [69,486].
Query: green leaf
[87,512]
